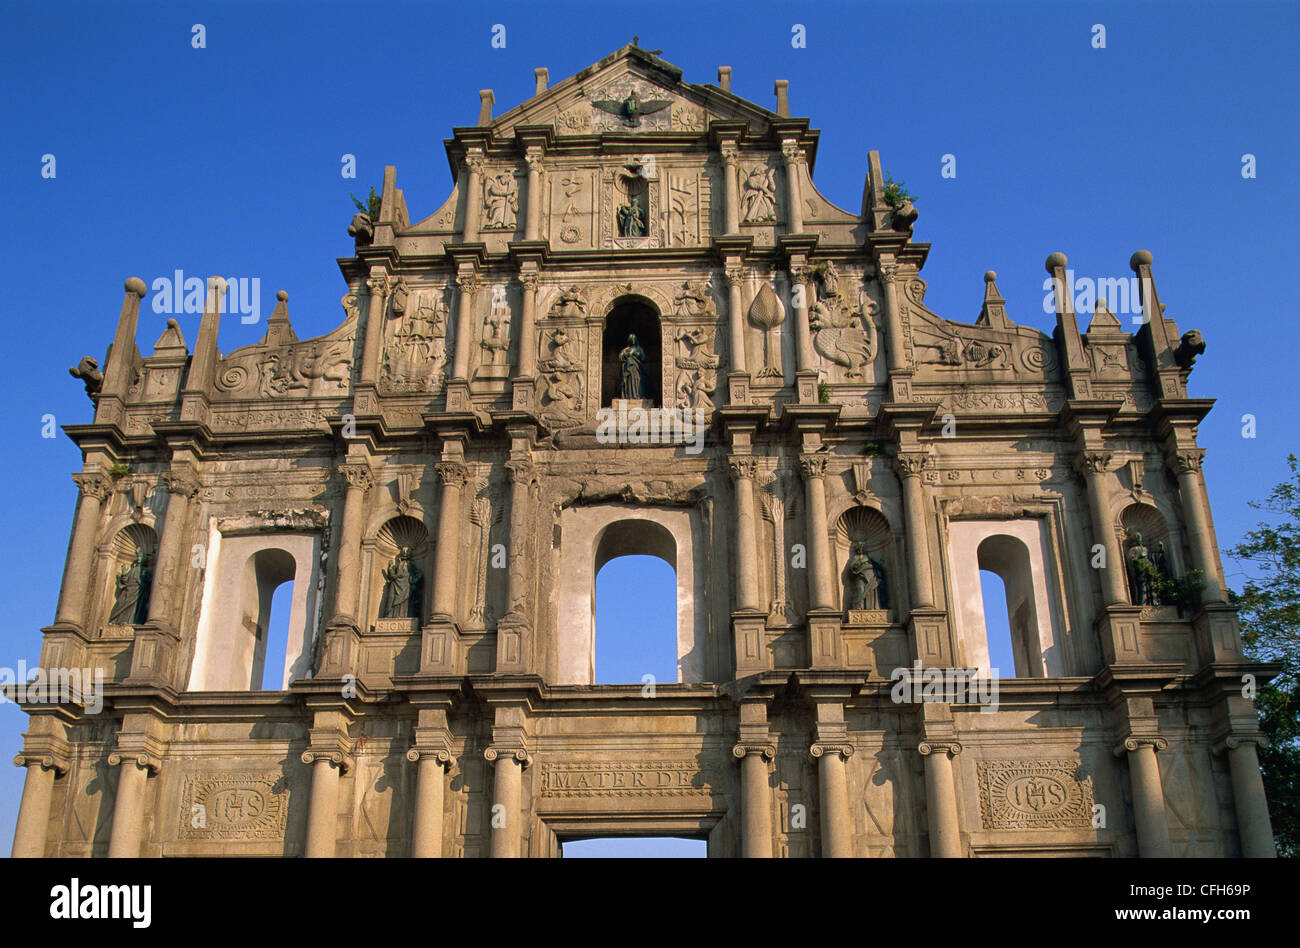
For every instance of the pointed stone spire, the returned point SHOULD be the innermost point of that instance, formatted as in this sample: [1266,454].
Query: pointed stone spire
[994,311]
[1103,319]
[278,330]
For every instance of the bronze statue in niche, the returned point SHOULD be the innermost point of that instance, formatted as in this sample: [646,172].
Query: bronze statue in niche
[131,607]
[403,588]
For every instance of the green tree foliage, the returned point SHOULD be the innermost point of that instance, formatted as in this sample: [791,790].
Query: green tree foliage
[1269,607]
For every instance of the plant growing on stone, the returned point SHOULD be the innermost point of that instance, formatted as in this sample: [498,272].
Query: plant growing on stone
[895,193]
[372,205]
[119,470]
[823,393]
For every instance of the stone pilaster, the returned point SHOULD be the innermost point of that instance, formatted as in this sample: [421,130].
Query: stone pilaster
[527,333]
[533,208]
[34,810]
[514,630]
[1093,465]
[467,287]
[910,466]
[508,765]
[439,651]
[1186,465]
[345,625]
[941,797]
[473,197]
[756,798]
[736,321]
[431,754]
[133,773]
[833,787]
[804,283]
[730,188]
[94,488]
[1254,827]
[1148,794]
[329,758]
[379,285]
[792,157]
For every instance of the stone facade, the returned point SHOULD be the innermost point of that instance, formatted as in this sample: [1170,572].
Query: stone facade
[861,459]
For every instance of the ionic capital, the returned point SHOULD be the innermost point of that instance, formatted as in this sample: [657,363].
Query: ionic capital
[335,757]
[822,748]
[144,761]
[1233,741]
[438,754]
[45,761]
[951,748]
[766,752]
[525,760]
[1132,743]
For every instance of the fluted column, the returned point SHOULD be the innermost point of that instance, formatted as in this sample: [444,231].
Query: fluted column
[473,197]
[34,810]
[452,475]
[1092,464]
[730,163]
[833,785]
[359,480]
[379,287]
[528,326]
[532,216]
[910,465]
[736,319]
[756,798]
[430,787]
[128,806]
[821,594]
[507,794]
[742,472]
[167,590]
[1148,794]
[802,278]
[94,489]
[793,156]
[941,798]
[1253,824]
[1191,488]
[467,286]
[322,811]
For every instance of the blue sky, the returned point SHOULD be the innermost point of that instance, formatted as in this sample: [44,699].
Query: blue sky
[227,160]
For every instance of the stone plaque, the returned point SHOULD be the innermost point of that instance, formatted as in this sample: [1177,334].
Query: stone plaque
[1034,794]
[234,806]
[867,617]
[626,778]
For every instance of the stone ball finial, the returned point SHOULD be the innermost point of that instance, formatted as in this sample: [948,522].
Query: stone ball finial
[217,283]
[282,295]
[1139,259]
[173,324]
[136,285]
[990,276]
[1055,260]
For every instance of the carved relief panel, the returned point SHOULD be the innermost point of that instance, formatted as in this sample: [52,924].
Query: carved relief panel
[571,208]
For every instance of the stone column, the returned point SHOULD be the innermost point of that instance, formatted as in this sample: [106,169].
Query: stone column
[473,196]
[736,319]
[34,810]
[756,799]
[167,589]
[730,161]
[452,474]
[910,465]
[1253,825]
[742,472]
[322,811]
[893,320]
[528,326]
[522,474]
[94,489]
[532,218]
[1191,488]
[379,285]
[836,819]
[804,290]
[430,786]
[467,285]
[793,157]
[1092,464]
[821,594]
[1148,794]
[128,806]
[507,793]
[941,798]
[359,480]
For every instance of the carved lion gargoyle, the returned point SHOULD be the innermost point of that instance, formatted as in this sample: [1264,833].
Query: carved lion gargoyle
[362,229]
[88,371]
[905,216]
[1189,347]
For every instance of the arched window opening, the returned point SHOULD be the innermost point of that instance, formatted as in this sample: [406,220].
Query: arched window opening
[1018,649]
[274,646]
[265,572]
[622,365]
[635,605]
